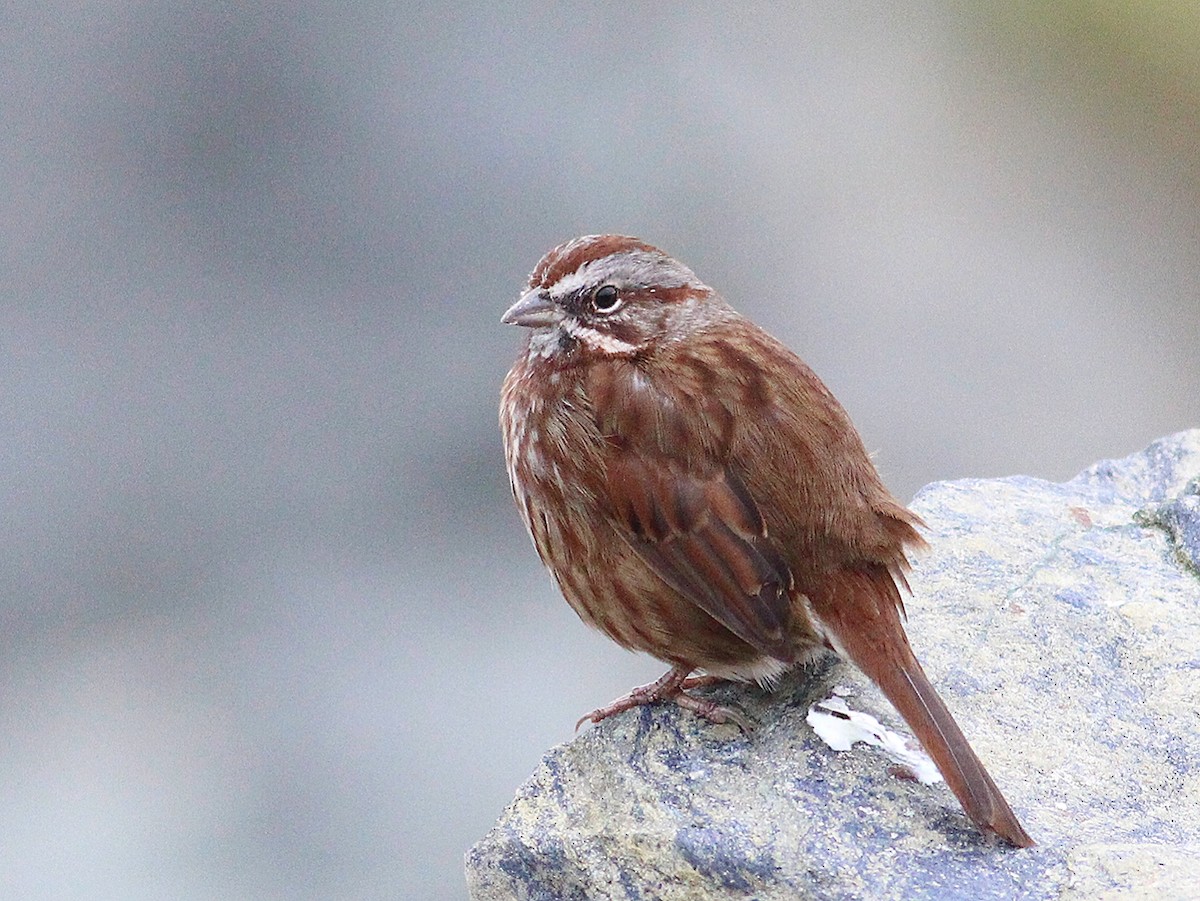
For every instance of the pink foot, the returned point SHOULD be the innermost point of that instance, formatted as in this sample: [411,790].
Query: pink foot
[670,687]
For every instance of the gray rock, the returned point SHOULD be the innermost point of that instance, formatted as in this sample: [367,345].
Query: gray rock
[1061,623]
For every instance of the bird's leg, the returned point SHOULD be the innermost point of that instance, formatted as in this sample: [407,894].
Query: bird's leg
[666,686]
[700,682]
[670,687]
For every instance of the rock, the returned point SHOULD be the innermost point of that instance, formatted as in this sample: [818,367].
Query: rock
[1061,622]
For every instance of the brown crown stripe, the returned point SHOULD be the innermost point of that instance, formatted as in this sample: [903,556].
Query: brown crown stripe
[568,257]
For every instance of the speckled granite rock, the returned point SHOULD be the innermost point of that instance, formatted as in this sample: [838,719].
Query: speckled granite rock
[1061,623]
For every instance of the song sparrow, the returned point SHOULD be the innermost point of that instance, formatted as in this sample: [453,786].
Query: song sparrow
[698,494]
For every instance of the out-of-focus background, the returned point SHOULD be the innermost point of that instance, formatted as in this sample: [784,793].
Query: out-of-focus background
[269,627]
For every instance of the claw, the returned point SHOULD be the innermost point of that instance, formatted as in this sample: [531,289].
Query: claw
[671,687]
[712,712]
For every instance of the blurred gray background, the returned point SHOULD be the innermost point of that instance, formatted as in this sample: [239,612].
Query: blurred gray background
[271,628]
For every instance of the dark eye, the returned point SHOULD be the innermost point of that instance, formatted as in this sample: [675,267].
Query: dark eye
[606,299]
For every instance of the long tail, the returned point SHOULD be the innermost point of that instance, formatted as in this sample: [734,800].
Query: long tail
[860,607]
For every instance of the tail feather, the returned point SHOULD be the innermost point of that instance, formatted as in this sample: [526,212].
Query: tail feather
[860,610]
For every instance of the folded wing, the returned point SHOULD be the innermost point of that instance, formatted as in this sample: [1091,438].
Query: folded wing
[703,535]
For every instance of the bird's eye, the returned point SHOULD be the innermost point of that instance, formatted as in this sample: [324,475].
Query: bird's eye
[606,299]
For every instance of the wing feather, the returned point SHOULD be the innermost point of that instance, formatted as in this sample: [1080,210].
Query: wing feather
[704,536]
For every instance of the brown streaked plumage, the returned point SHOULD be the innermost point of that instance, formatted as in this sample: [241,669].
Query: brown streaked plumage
[698,494]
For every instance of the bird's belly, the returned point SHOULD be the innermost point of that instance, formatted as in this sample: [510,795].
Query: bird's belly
[617,593]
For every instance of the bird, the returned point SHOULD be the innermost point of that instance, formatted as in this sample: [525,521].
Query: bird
[698,494]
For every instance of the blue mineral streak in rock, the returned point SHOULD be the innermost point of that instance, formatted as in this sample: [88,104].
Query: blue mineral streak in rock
[725,855]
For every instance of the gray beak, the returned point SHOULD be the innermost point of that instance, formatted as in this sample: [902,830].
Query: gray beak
[533,310]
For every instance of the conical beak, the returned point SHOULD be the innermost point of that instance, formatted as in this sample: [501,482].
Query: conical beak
[533,310]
